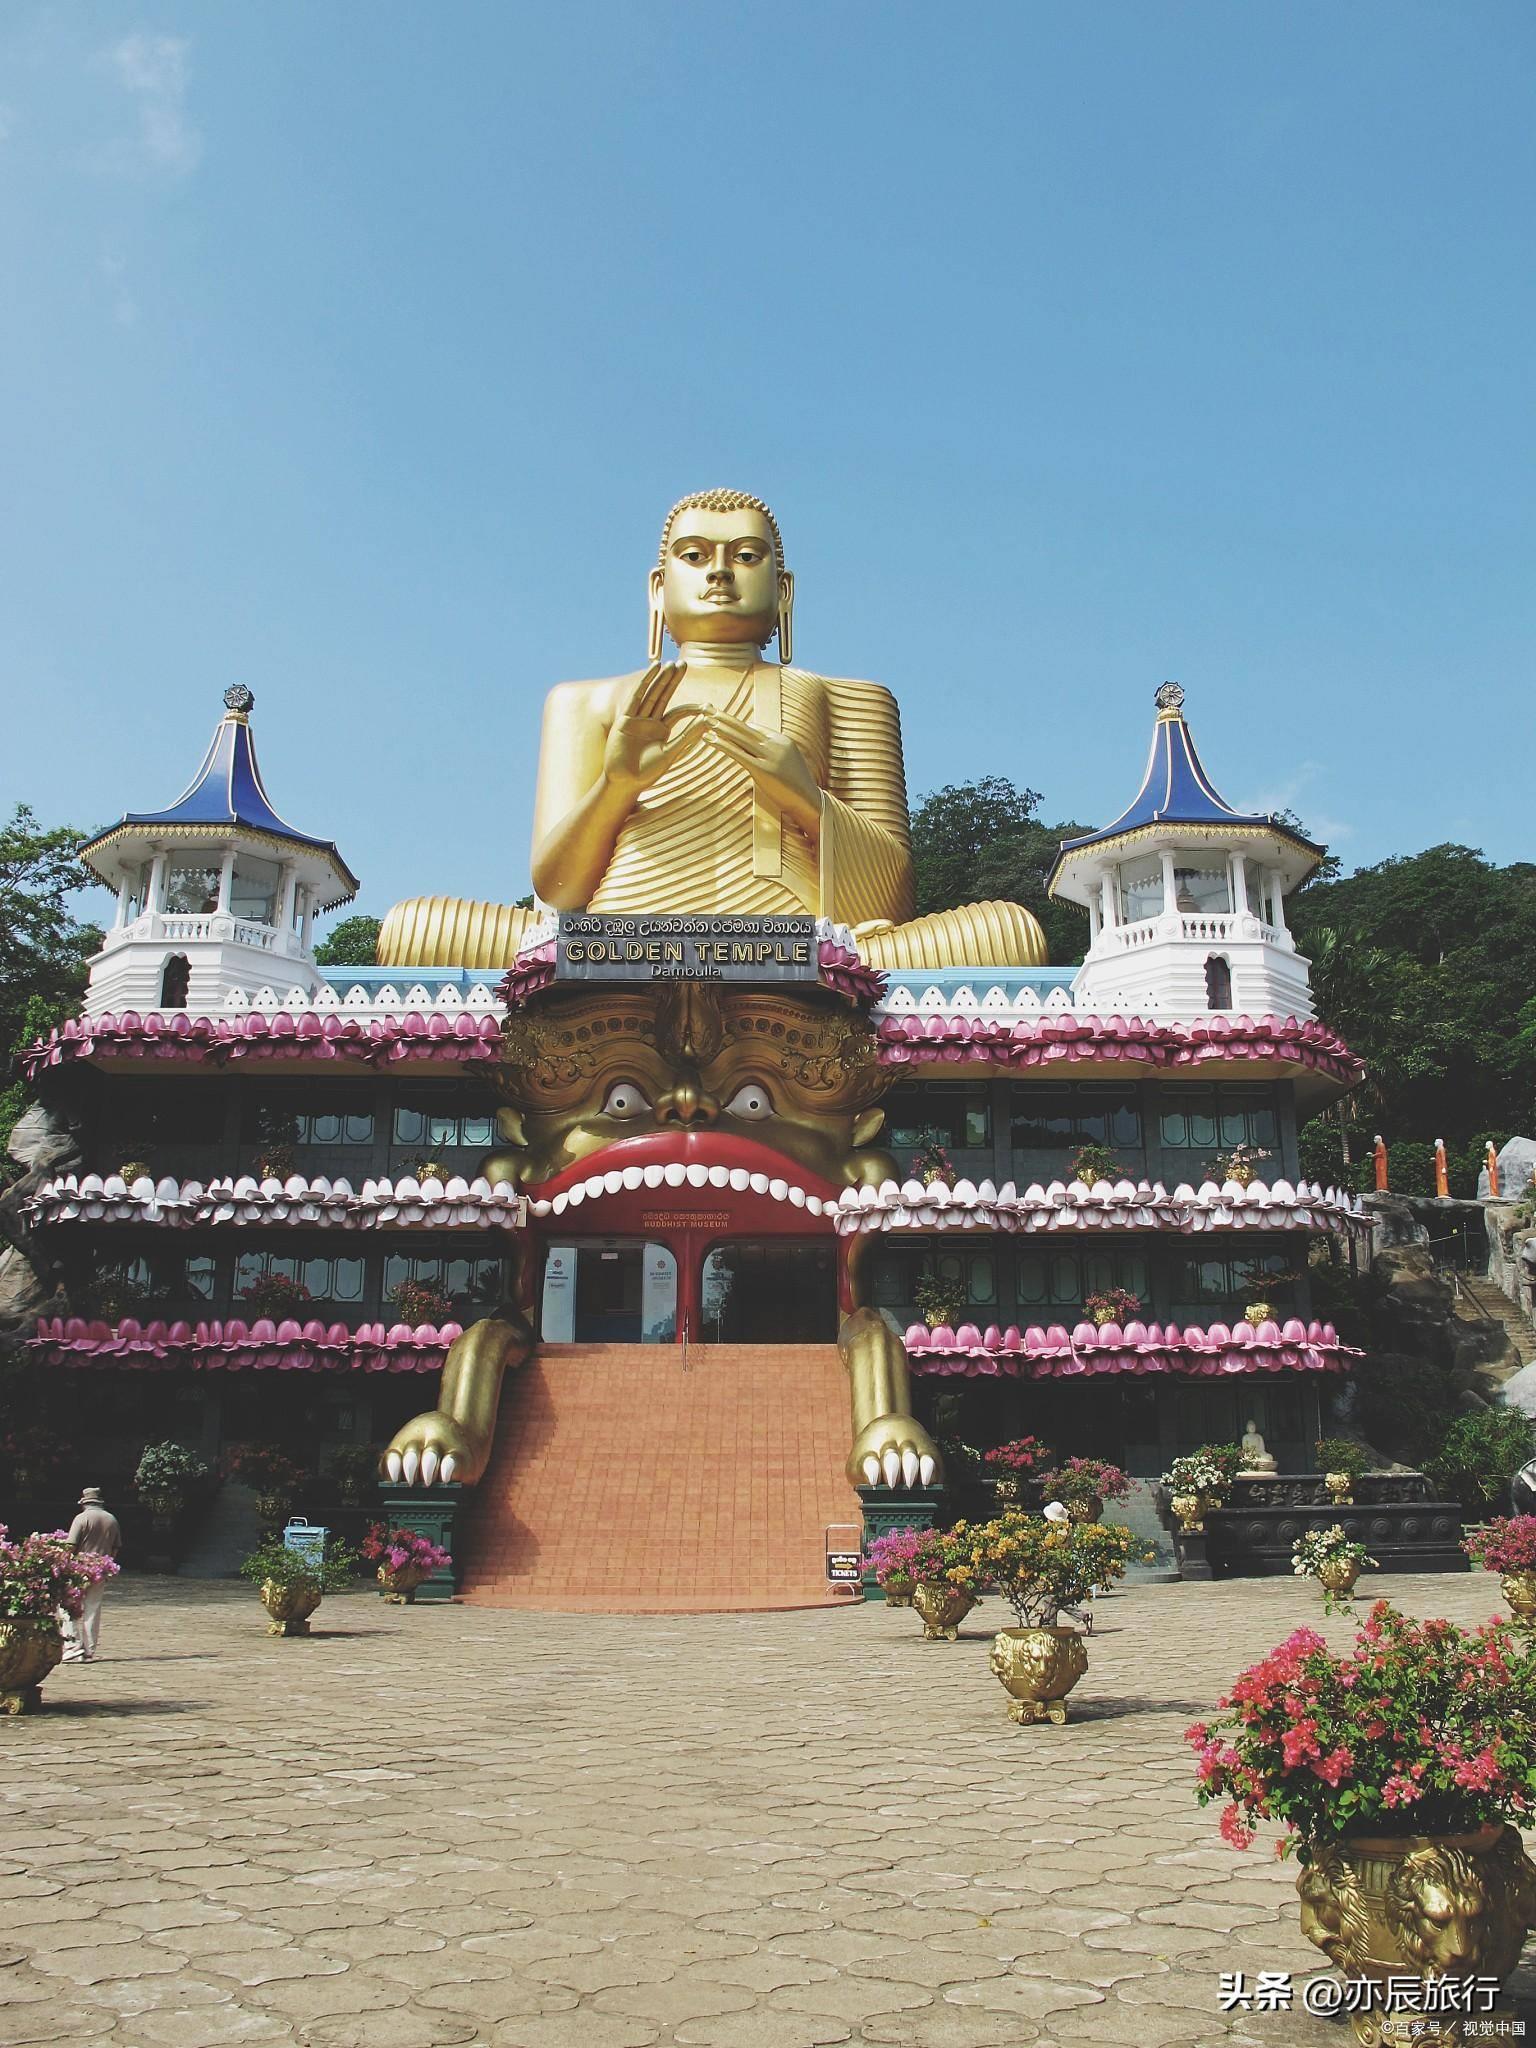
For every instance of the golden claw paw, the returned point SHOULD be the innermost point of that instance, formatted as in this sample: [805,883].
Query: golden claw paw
[893,1451]
[431,1448]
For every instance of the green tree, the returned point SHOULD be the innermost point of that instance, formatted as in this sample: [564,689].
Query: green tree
[1425,963]
[43,948]
[352,943]
[973,842]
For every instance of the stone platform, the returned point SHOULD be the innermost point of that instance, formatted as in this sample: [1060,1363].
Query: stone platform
[432,1826]
[1395,1516]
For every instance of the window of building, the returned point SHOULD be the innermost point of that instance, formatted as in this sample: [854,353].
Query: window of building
[328,1277]
[1200,1119]
[175,981]
[1141,890]
[138,890]
[474,1281]
[1236,1278]
[1218,983]
[192,885]
[150,1280]
[1060,1118]
[1207,890]
[434,1127]
[333,1127]
[960,1118]
[1058,1280]
[894,1274]
[253,889]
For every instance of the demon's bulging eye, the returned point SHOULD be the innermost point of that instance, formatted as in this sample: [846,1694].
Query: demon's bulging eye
[624,1099]
[751,1101]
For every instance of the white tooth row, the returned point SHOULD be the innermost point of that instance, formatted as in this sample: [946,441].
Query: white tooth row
[673,1175]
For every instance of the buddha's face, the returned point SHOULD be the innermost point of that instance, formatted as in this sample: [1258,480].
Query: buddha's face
[718,578]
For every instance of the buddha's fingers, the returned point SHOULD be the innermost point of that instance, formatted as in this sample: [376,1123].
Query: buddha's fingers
[680,742]
[654,690]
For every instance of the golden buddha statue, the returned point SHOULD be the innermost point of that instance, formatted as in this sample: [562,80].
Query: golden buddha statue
[722,782]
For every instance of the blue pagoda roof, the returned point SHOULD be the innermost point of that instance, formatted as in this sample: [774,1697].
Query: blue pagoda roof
[1175,790]
[227,792]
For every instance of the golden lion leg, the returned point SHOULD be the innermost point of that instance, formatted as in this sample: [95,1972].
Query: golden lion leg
[890,1447]
[453,1440]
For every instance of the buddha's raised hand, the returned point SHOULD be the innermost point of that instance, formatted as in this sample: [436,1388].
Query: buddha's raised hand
[650,733]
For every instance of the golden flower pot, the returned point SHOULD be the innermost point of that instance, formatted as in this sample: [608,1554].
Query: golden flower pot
[942,1609]
[28,1652]
[1338,1575]
[1190,1510]
[1341,1489]
[400,1586]
[290,1606]
[1519,1589]
[1419,1906]
[898,1589]
[1038,1667]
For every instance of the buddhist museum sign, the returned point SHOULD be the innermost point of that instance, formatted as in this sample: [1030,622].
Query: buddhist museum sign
[746,950]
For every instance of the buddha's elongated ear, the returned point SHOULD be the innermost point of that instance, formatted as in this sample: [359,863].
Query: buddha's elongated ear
[786,616]
[657,619]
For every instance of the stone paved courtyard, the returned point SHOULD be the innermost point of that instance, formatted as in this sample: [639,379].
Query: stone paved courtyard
[441,1825]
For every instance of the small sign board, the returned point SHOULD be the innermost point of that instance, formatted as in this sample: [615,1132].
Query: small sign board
[306,1538]
[749,951]
[845,1567]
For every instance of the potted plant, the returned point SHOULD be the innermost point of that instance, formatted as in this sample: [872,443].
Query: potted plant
[132,1170]
[430,1169]
[40,1576]
[1508,1546]
[1197,1483]
[940,1303]
[1400,1772]
[1093,1163]
[405,1560]
[354,1468]
[1341,1463]
[275,1295]
[166,1474]
[930,1162]
[1334,1560]
[946,1582]
[1241,1165]
[1082,1485]
[1040,1567]
[418,1301]
[1117,1305]
[271,1474]
[889,1557]
[294,1581]
[1011,1466]
[1479,1455]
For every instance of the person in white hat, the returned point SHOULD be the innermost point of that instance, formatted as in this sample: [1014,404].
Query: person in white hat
[1055,1512]
[93,1529]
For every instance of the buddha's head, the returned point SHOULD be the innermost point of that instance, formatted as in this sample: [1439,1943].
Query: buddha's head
[720,575]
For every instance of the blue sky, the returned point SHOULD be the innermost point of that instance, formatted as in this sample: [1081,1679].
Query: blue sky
[355,353]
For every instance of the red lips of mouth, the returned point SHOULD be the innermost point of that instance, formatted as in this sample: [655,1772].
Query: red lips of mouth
[688,1148]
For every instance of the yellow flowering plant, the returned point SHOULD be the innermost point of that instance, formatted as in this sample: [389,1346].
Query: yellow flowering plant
[1040,1567]
[947,1557]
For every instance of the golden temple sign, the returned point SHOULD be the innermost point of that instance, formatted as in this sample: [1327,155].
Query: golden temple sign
[745,950]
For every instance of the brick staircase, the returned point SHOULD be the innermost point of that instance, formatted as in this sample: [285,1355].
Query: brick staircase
[624,1480]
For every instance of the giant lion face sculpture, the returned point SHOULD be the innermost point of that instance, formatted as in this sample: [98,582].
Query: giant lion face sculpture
[691,1074]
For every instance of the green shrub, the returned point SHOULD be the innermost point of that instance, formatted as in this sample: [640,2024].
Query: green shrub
[1479,1455]
[276,1564]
